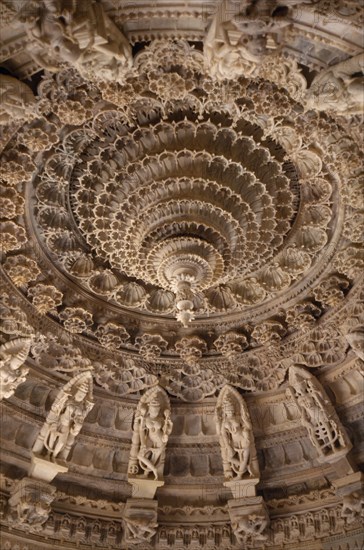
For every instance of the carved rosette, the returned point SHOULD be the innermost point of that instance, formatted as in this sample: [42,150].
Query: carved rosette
[212,205]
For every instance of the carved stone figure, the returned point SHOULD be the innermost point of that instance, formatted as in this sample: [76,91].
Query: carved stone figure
[152,426]
[318,414]
[65,419]
[17,101]
[243,33]
[140,518]
[30,503]
[353,507]
[12,370]
[236,436]
[339,88]
[80,34]
[223,57]
[250,528]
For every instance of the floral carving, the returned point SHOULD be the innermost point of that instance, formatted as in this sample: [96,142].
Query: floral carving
[190,349]
[270,331]
[12,203]
[21,269]
[192,383]
[331,291]
[231,344]
[76,319]
[45,297]
[112,335]
[12,236]
[151,345]
[124,379]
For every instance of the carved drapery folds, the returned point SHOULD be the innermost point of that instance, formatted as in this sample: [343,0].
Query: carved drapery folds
[65,419]
[318,415]
[152,426]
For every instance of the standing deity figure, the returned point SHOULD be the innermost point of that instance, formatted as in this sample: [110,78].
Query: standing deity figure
[339,88]
[66,417]
[236,436]
[318,414]
[243,33]
[76,33]
[152,426]
[12,369]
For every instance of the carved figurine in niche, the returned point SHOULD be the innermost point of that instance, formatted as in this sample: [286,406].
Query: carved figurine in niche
[17,101]
[77,33]
[339,88]
[30,503]
[236,436]
[317,413]
[66,417]
[12,369]
[243,33]
[226,58]
[152,426]
[249,528]
[140,517]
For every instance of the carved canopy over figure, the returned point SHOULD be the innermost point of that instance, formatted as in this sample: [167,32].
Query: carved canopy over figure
[236,436]
[339,88]
[243,33]
[66,417]
[76,33]
[17,101]
[12,370]
[152,426]
[318,413]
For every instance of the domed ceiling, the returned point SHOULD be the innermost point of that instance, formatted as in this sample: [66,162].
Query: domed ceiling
[182,330]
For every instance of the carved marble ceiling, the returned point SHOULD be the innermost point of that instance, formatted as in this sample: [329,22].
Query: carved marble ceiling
[182,331]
